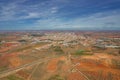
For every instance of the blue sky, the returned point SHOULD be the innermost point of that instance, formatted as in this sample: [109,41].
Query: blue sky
[60,14]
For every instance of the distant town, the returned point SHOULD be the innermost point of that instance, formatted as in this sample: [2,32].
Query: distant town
[31,55]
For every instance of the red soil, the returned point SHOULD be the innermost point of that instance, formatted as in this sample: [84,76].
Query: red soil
[92,65]
[75,76]
[53,64]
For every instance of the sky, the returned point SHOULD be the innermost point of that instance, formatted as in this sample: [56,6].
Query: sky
[59,14]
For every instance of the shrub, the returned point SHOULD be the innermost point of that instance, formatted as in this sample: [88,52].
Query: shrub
[57,49]
[82,52]
[116,63]
[56,77]
[13,77]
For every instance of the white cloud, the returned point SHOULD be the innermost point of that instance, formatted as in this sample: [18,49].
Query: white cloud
[54,10]
[16,11]
[102,20]
[31,15]
[51,18]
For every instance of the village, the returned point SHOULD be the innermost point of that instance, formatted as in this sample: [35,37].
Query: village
[19,50]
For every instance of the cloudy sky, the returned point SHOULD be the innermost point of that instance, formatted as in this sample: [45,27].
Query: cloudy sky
[60,14]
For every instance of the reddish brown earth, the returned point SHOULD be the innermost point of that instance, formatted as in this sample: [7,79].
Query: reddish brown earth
[93,65]
[10,60]
[75,76]
[7,46]
[4,49]
[53,64]
[23,74]
[14,61]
